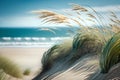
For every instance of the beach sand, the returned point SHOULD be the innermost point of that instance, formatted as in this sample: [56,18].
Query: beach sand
[30,58]
[25,57]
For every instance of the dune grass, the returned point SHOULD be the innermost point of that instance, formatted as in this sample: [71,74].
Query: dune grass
[10,68]
[104,39]
[27,72]
[86,43]
[56,52]
[111,53]
[82,37]
[2,75]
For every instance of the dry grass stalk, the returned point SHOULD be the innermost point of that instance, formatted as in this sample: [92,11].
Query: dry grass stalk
[47,29]
[49,16]
[76,7]
[92,16]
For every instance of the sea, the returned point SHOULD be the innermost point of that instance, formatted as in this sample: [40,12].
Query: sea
[33,37]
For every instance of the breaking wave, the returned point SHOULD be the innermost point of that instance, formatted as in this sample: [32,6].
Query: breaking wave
[30,41]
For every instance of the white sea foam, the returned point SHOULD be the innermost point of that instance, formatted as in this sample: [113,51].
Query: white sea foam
[33,38]
[6,38]
[17,38]
[30,41]
[27,38]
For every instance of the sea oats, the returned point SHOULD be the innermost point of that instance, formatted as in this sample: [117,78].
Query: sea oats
[115,21]
[76,21]
[49,16]
[89,19]
[80,18]
[113,14]
[90,15]
[116,28]
[76,7]
[47,29]
[78,13]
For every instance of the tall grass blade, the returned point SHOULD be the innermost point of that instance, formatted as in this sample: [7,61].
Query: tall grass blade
[111,53]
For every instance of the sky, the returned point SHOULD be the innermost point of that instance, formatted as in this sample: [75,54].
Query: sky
[16,13]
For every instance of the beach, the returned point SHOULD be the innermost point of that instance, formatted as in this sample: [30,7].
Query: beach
[25,57]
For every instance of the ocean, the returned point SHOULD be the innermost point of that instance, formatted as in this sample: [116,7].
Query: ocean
[32,37]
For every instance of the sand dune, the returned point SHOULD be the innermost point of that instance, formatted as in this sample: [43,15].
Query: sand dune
[26,58]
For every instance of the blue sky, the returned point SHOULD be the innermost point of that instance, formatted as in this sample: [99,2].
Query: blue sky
[15,13]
